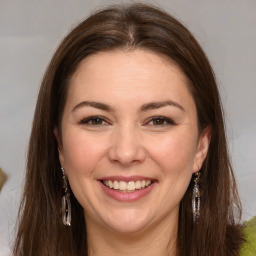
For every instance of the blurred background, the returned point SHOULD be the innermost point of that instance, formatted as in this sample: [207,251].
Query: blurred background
[30,32]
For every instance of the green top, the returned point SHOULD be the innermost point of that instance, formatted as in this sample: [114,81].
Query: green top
[249,247]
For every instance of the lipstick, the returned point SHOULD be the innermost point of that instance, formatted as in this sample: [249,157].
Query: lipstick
[127,189]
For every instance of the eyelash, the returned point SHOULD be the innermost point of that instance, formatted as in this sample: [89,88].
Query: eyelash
[89,120]
[164,121]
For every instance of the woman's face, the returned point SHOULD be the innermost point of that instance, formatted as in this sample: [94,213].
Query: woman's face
[130,141]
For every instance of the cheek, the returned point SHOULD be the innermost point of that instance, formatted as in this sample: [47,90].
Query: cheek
[174,157]
[82,153]
[174,154]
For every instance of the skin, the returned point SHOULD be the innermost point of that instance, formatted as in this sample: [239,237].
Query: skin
[126,142]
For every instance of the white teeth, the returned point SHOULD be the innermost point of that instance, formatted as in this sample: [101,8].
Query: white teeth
[131,186]
[110,184]
[127,186]
[116,185]
[122,185]
[138,184]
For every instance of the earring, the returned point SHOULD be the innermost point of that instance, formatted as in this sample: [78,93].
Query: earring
[196,197]
[66,205]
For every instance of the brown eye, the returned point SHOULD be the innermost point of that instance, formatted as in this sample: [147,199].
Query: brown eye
[94,120]
[161,121]
[158,121]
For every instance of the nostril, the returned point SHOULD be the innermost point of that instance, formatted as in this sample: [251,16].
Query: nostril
[127,157]
[126,148]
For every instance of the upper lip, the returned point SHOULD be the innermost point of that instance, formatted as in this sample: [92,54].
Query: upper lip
[125,178]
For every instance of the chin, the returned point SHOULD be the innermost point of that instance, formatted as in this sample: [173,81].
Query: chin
[127,228]
[128,223]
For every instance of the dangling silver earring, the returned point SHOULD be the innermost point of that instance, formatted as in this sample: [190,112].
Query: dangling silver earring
[196,197]
[66,205]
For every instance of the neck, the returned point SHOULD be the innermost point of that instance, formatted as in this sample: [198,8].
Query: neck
[158,240]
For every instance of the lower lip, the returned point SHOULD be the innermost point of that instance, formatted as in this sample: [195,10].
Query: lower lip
[129,196]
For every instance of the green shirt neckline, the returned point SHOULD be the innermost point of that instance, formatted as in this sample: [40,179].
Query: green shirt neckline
[249,246]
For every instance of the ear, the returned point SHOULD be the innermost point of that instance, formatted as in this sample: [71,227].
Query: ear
[60,147]
[202,149]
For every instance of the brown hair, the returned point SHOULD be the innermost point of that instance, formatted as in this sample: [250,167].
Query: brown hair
[41,231]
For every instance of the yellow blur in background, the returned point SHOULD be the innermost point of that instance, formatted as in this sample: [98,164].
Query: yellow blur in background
[3,178]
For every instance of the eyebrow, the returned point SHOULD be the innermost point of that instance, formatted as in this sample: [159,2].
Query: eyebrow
[144,108]
[93,104]
[161,104]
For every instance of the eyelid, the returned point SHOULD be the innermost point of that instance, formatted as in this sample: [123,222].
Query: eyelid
[85,121]
[168,121]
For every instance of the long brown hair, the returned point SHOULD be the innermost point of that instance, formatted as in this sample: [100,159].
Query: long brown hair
[137,26]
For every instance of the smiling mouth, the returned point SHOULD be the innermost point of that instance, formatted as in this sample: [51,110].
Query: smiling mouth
[127,187]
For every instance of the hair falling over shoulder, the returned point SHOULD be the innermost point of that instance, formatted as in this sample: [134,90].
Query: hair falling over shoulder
[137,26]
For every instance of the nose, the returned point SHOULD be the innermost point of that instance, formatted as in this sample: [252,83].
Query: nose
[127,146]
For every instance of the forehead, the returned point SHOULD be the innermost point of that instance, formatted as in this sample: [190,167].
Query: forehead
[126,75]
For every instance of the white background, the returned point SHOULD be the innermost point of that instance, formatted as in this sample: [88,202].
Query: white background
[30,32]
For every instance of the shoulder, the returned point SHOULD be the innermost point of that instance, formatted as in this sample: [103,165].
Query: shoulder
[249,231]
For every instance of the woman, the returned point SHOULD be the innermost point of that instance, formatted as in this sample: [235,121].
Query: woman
[128,153]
